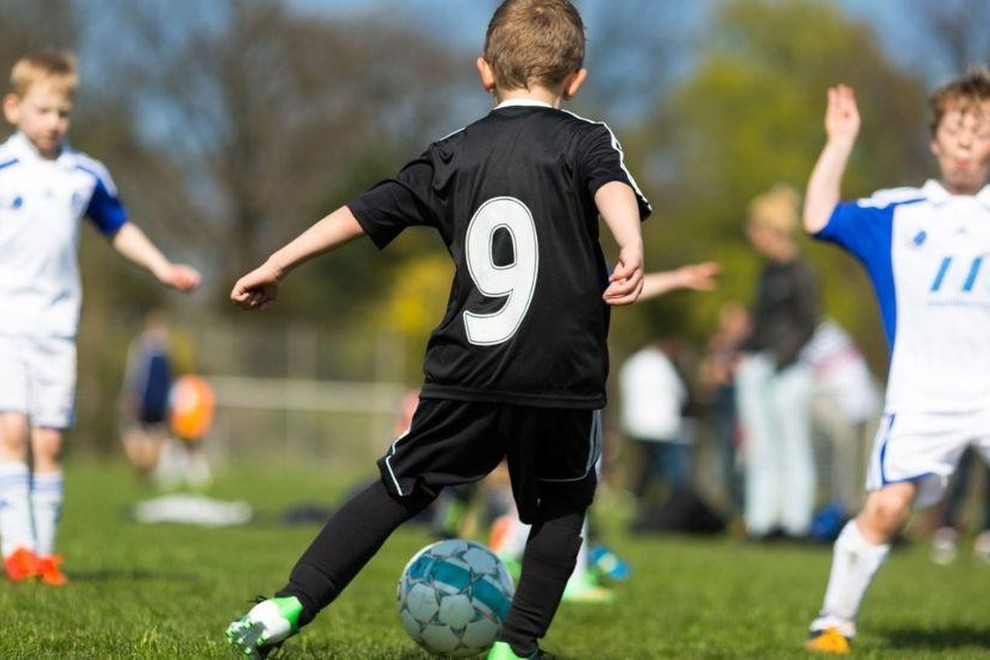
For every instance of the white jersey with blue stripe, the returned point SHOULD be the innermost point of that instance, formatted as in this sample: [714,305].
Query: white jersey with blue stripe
[926,252]
[41,205]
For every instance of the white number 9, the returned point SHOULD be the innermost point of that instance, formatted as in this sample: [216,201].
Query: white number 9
[516,281]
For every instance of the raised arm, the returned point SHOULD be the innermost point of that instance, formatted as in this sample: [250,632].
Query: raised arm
[132,244]
[617,205]
[824,185]
[259,288]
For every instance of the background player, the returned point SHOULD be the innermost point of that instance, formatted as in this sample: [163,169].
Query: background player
[517,366]
[923,249]
[47,188]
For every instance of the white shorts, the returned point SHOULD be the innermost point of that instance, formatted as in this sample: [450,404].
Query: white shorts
[925,448]
[38,379]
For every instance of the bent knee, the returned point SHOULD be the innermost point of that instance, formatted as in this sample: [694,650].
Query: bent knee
[886,511]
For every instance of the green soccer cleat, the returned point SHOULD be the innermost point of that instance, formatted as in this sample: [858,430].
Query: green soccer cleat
[502,651]
[587,590]
[265,626]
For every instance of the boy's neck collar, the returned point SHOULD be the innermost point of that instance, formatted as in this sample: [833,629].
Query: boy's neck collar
[522,102]
[27,148]
[937,193]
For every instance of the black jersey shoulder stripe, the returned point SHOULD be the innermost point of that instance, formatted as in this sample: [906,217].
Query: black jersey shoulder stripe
[622,156]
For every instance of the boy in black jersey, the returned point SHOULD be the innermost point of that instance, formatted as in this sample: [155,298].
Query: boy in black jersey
[516,368]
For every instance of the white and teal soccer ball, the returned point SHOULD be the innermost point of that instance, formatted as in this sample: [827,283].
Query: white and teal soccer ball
[453,596]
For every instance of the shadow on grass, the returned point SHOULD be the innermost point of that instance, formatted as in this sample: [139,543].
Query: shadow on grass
[940,639]
[108,575]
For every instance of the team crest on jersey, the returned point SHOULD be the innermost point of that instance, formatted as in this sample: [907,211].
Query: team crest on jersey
[12,202]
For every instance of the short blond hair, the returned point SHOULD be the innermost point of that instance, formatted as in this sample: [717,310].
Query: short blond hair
[776,209]
[58,67]
[534,42]
[965,94]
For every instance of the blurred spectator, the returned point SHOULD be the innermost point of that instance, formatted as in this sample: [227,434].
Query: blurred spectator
[652,399]
[774,387]
[717,379]
[945,542]
[845,409]
[145,394]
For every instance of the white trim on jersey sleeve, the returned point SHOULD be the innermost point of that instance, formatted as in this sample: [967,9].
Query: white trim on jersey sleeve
[98,169]
[622,157]
[888,196]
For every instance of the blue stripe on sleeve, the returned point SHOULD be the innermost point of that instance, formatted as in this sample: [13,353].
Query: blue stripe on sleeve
[866,232]
[105,208]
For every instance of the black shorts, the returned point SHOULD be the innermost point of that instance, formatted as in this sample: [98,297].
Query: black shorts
[551,453]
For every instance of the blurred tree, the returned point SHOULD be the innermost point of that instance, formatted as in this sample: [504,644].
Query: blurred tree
[276,117]
[957,32]
[27,25]
[750,115]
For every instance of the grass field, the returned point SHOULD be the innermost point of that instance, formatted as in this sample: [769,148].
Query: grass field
[168,591]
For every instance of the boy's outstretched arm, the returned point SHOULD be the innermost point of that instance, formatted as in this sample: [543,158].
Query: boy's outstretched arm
[132,244]
[696,277]
[617,205]
[824,185]
[259,288]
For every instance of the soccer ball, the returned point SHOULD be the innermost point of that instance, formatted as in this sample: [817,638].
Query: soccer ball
[453,596]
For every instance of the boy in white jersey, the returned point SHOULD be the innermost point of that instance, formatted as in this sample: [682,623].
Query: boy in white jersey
[924,250]
[46,188]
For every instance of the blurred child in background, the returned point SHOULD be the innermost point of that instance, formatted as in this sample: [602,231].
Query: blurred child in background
[46,189]
[145,394]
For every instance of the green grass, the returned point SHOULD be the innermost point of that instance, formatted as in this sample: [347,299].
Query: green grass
[150,591]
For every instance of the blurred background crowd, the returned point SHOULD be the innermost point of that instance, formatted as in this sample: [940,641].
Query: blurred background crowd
[233,124]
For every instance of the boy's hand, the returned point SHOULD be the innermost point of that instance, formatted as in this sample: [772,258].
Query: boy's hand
[626,280]
[181,277]
[258,289]
[698,277]
[842,116]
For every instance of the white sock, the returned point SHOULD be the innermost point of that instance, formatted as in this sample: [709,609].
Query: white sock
[854,563]
[46,502]
[16,530]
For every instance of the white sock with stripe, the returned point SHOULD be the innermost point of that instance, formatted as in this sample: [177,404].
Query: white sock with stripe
[16,529]
[854,563]
[47,490]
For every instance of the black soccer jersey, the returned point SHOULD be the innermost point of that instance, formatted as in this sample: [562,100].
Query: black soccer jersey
[512,195]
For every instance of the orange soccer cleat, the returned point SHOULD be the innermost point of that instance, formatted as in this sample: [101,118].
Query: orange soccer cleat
[22,564]
[829,640]
[49,569]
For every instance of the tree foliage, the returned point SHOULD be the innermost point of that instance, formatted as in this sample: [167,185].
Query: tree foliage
[750,115]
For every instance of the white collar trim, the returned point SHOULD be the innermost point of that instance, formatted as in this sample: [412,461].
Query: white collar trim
[936,193]
[510,103]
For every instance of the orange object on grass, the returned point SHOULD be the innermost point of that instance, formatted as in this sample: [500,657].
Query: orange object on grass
[192,402]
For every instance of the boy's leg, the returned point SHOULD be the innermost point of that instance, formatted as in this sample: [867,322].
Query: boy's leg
[16,528]
[47,494]
[548,561]
[53,387]
[551,457]
[349,539]
[860,550]
[347,542]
